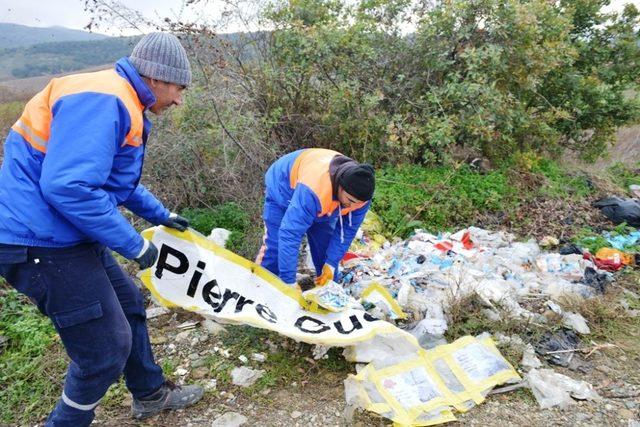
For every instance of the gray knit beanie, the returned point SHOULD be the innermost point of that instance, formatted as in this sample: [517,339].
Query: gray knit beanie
[160,56]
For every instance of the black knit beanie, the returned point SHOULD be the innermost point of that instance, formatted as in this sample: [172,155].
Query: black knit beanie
[359,181]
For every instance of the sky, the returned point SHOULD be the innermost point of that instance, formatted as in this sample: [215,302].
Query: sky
[71,14]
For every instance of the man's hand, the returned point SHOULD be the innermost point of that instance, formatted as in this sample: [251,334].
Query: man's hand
[177,222]
[326,276]
[147,256]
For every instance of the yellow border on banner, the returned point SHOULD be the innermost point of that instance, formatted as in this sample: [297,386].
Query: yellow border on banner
[386,296]
[412,413]
[145,276]
[198,239]
[473,390]
[401,416]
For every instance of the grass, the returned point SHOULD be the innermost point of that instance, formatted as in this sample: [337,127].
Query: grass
[558,182]
[289,362]
[409,197]
[593,241]
[33,363]
[608,320]
[447,197]
[624,175]
[9,113]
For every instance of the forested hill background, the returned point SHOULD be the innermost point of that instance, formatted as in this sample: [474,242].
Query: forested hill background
[31,52]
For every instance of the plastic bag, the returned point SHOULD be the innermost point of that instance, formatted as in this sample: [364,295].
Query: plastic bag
[422,389]
[553,389]
[377,295]
[331,296]
[620,210]
[615,255]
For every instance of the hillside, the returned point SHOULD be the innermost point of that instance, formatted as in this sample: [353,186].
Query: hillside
[60,57]
[46,59]
[14,35]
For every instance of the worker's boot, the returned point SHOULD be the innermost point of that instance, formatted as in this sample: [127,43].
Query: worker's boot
[169,396]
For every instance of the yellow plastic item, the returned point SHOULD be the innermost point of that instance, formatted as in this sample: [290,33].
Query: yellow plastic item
[377,295]
[615,255]
[372,223]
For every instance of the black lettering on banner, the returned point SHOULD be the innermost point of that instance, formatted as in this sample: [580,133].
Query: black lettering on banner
[165,251]
[225,299]
[318,323]
[370,318]
[266,313]
[354,322]
[211,293]
[197,275]
[242,301]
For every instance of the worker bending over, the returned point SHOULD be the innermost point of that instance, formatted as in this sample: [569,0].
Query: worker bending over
[320,193]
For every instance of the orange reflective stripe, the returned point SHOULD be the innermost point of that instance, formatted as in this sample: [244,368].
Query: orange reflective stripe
[35,120]
[35,123]
[109,82]
[24,121]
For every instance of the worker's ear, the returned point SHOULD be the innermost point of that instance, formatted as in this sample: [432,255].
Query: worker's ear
[152,83]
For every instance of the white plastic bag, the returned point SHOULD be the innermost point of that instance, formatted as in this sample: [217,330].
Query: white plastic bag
[553,389]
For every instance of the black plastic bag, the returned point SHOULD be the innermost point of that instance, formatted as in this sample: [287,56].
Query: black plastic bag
[620,210]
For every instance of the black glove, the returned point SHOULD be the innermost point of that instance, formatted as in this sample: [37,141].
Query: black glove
[148,256]
[177,222]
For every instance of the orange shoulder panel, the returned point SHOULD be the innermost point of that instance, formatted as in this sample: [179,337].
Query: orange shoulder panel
[35,123]
[311,168]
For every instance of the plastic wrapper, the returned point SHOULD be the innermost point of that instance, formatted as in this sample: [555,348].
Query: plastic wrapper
[378,296]
[553,389]
[332,297]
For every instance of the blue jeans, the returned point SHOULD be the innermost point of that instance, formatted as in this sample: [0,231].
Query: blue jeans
[100,317]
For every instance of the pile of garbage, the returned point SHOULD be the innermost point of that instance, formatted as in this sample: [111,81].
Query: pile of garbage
[414,282]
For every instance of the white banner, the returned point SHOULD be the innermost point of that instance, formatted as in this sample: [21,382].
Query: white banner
[196,274]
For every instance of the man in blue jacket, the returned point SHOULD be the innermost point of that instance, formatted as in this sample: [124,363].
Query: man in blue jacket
[71,159]
[316,192]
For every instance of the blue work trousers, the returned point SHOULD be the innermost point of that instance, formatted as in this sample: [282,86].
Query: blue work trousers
[100,316]
[318,236]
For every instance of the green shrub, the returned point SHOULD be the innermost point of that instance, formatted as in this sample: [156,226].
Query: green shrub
[229,215]
[495,76]
[558,182]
